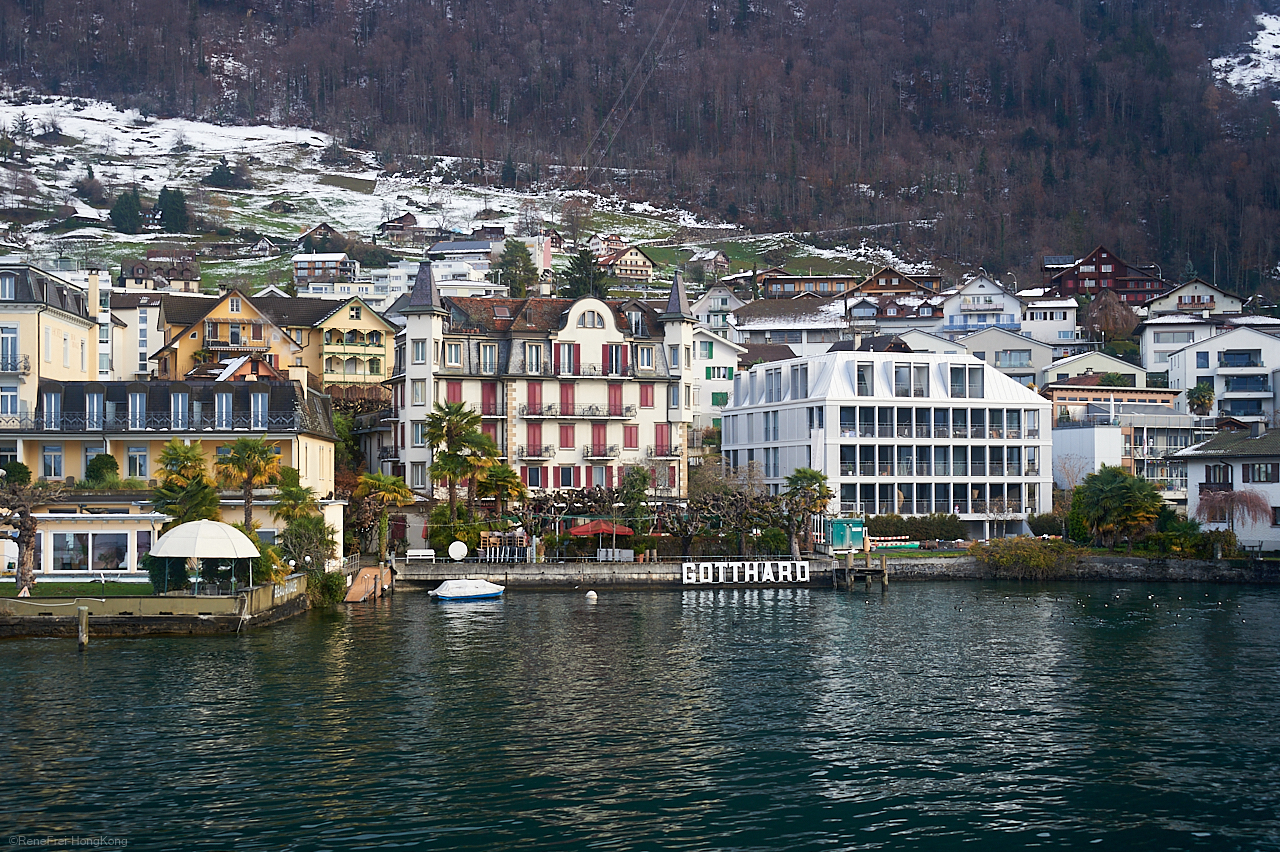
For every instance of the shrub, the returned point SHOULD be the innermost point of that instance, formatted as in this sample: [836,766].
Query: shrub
[1046,524]
[936,526]
[16,473]
[884,526]
[101,468]
[923,527]
[772,541]
[1024,558]
[325,588]
[166,574]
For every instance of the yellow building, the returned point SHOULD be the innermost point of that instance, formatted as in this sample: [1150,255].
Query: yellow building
[48,328]
[106,531]
[345,342]
[225,328]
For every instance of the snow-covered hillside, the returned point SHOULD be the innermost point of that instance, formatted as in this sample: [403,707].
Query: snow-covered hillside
[1260,64]
[125,149]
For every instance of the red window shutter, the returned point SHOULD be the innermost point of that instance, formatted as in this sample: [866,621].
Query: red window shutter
[577,359]
[604,359]
[586,476]
[524,475]
[555,356]
[535,395]
[631,437]
[577,477]
[566,435]
[453,391]
[533,432]
[624,360]
[608,475]
[646,395]
[671,476]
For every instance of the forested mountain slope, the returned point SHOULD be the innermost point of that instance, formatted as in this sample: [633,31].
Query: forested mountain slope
[992,131]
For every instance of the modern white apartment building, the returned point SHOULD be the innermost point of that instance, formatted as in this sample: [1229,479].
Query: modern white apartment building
[898,433]
[1239,364]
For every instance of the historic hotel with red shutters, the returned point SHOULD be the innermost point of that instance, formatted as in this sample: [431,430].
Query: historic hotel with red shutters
[573,392]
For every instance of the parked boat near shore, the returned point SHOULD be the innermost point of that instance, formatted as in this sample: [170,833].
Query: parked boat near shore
[466,590]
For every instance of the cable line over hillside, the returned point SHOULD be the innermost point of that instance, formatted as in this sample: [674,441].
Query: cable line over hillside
[587,172]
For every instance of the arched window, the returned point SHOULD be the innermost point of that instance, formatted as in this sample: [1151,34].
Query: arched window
[375,366]
[352,366]
[375,338]
[352,337]
[590,319]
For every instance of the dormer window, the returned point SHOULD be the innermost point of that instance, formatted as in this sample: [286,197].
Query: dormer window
[7,287]
[590,319]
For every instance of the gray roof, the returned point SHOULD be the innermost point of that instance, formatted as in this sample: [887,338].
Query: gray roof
[1235,445]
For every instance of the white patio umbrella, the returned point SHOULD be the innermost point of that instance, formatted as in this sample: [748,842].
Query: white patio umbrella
[205,540]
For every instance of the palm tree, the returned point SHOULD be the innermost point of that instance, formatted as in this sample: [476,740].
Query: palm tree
[807,495]
[460,449]
[1114,502]
[293,500]
[180,463]
[249,463]
[383,491]
[185,492]
[1200,398]
[502,483]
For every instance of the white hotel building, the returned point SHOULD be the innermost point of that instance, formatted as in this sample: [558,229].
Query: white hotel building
[898,433]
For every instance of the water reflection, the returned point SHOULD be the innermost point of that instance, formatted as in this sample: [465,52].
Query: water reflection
[708,719]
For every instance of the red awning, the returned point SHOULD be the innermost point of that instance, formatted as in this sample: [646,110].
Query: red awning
[599,527]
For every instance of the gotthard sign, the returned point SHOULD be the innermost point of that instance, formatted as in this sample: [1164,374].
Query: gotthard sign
[747,572]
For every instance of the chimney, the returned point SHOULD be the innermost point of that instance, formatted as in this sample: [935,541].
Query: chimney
[299,375]
[1257,430]
[93,293]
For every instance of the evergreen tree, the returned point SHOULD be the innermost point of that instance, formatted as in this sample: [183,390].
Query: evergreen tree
[518,271]
[584,277]
[126,213]
[172,204]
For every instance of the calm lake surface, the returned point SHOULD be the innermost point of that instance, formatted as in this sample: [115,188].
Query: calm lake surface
[1010,716]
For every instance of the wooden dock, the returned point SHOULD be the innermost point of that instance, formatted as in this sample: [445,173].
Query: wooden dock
[846,575]
[371,582]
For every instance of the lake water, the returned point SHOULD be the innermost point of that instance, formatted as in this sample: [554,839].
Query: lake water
[1009,716]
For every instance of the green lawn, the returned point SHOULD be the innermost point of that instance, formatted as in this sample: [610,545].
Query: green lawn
[8,589]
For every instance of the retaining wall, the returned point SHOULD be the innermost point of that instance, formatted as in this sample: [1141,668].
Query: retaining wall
[257,606]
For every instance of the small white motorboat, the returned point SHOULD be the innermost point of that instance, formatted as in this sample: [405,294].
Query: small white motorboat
[466,590]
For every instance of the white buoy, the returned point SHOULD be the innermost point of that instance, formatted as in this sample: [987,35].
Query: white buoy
[591,596]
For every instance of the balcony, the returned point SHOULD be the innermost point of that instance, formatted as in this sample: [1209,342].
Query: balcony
[1240,361]
[941,432]
[388,454]
[206,421]
[493,409]
[848,468]
[375,350]
[906,468]
[600,451]
[1033,470]
[981,307]
[1209,487]
[850,507]
[535,451]
[335,377]
[19,364]
[978,468]
[663,451]
[1247,387]
[241,345]
[584,411]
